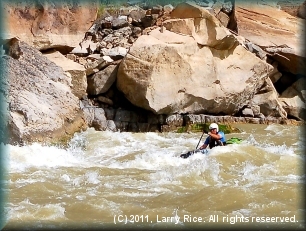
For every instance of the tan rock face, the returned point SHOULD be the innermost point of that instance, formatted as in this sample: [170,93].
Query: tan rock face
[262,25]
[275,31]
[169,73]
[267,100]
[42,106]
[293,99]
[101,81]
[49,25]
[73,69]
[205,31]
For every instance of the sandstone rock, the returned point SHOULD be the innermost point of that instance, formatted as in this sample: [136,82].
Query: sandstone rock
[93,57]
[99,121]
[180,26]
[118,23]
[87,45]
[174,120]
[275,77]
[193,119]
[256,50]
[175,75]
[228,119]
[262,25]
[267,99]
[111,126]
[105,100]
[223,18]
[214,119]
[252,120]
[239,120]
[80,51]
[148,20]
[247,112]
[275,74]
[136,16]
[191,10]
[89,113]
[293,99]
[42,106]
[271,120]
[77,72]
[256,110]
[115,52]
[98,64]
[167,128]
[51,25]
[125,31]
[288,60]
[71,57]
[204,28]
[101,81]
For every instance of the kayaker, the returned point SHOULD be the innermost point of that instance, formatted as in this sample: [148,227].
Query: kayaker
[215,137]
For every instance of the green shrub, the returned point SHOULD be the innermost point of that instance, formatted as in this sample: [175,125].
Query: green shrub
[181,129]
[200,127]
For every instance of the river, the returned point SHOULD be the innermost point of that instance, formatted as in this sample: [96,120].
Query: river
[129,180]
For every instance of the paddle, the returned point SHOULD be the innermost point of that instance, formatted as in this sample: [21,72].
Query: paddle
[186,155]
[200,139]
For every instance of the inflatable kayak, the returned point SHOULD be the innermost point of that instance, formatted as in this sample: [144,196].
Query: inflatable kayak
[233,140]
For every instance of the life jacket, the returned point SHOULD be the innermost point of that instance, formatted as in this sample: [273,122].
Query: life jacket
[213,142]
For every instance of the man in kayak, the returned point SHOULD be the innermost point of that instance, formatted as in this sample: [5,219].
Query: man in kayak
[215,137]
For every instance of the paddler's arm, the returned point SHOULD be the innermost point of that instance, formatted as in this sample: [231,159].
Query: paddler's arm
[206,142]
[215,136]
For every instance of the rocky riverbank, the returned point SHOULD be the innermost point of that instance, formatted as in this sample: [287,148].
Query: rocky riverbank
[147,68]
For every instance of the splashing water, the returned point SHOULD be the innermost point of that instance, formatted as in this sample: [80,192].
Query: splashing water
[102,175]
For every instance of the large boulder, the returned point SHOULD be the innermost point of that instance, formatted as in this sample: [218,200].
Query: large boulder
[293,99]
[101,81]
[75,70]
[206,32]
[49,25]
[275,31]
[267,99]
[42,106]
[168,73]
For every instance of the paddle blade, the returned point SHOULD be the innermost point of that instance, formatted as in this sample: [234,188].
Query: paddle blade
[186,155]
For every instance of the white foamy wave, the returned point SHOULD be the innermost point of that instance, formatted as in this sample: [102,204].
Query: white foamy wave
[27,211]
[37,155]
[92,177]
[251,140]
[278,129]
[278,149]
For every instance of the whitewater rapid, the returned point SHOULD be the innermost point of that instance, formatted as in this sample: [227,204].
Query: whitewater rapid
[101,175]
